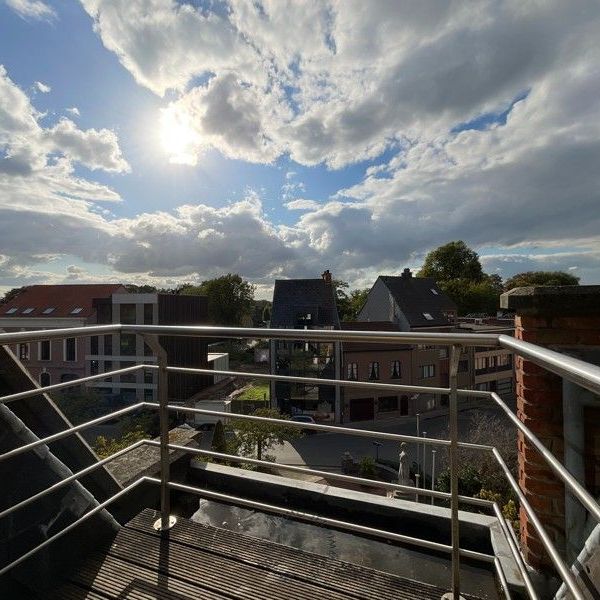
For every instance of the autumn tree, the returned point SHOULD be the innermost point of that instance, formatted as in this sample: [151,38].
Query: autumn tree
[540,278]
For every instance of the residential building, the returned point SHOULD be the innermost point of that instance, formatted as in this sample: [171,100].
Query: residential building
[405,364]
[305,304]
[413,303]
[57,306]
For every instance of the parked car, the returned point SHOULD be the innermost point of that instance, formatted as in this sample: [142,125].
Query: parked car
[304,419]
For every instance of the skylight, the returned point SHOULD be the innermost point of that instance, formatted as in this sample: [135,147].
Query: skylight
[48,310]
[11,311]
[27,311]
[434,292]
[76,310]
[428,316]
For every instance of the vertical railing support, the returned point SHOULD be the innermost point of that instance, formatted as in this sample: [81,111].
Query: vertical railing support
[453,423]
[432,474]
[166,521]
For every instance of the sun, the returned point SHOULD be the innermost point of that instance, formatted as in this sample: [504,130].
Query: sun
[177,136]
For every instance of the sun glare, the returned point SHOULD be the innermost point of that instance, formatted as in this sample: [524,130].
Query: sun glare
[177,137]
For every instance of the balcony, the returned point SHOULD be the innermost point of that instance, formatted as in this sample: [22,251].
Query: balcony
[157,554]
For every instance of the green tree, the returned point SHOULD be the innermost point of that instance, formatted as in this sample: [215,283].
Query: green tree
[13,293]
[230,298]
[219,441]
[540,278]
[472,296]
[349,304]
[254,438]
[454,260]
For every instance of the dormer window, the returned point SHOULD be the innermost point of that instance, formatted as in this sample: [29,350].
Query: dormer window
[434,292]
[27,311]
[48,310]
[11,311]
[76,310]
[428,316]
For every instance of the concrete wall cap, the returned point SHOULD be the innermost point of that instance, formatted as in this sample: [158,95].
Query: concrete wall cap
[566,300]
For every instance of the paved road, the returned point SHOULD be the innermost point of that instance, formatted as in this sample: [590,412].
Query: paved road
[324,450]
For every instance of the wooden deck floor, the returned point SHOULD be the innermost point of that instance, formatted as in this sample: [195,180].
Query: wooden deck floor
[202,562]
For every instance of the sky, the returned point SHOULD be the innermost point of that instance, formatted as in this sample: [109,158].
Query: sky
[162,142]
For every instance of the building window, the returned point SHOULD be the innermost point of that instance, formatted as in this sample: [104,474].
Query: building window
[434,292]
[11,311]
[128,377]
[48,310]
[426,371]
[108,345]
[70,350]
[68,377]
[395,370]
[94,345]
[387,403]
[463,366]
[128,344]
[44,379]
[373,370]
[128,314]
[28,311]
[148,395]
[94,367]
[108,366]
[404,405]
[148,314]
[148,376]
[23,351]
[44,350]
[428,316]
[352,371]
[76,310]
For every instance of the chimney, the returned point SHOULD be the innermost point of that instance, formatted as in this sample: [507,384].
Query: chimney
[326,275]
[406,274]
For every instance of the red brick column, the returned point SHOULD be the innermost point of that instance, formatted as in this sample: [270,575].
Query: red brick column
[562,319]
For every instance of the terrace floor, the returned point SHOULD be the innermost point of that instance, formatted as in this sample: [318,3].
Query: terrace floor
[198,561]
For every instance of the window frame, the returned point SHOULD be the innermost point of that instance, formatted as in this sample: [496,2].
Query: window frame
[393,363]
[374,369]
[65,359]
[24,355]
[49,351]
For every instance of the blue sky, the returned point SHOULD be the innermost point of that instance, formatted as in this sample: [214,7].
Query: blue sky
[238,136]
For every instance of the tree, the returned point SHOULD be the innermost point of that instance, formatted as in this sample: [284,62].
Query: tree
[230,298]
[349,305]
[13,293]
[454,260]
[540,278]
[105,447]
[254,438]
[132,288]
[472,296]
[266,315]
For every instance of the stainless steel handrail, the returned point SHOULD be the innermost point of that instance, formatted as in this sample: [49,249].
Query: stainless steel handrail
[581,373]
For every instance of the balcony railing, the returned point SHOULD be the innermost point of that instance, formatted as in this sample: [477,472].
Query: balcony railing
[579,372]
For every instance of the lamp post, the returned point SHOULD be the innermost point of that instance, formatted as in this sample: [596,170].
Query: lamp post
[377,446]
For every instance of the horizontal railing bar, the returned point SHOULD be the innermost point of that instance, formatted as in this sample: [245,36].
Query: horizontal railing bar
[312,518]
[578,371]
[389,387]
[70,479]
[561,567]
[70,527]
[514,550]
[320,335]
[572,484]
[327,428]
[325,474]
[67,384]
[71,430]
[17,337]
[502,578]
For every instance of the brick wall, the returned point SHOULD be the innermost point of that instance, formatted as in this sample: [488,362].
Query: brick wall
[563,319]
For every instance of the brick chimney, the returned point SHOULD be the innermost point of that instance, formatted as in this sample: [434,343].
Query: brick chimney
[406,274]
[326,275]
[565,319]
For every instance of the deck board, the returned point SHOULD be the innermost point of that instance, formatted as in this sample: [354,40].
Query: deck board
[208,563]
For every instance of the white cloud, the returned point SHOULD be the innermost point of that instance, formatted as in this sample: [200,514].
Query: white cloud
[73,110]
[42,87]
[301,204]
[32,9]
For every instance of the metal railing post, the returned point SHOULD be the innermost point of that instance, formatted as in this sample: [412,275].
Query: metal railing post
[432,474]
[166,521]
[453,451]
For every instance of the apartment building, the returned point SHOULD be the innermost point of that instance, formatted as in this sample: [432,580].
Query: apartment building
[57,306]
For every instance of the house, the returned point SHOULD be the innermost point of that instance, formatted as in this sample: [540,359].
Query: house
[413,303]
[55,361]
[305,304]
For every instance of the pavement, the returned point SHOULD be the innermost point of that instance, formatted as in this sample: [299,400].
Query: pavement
[324,450]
